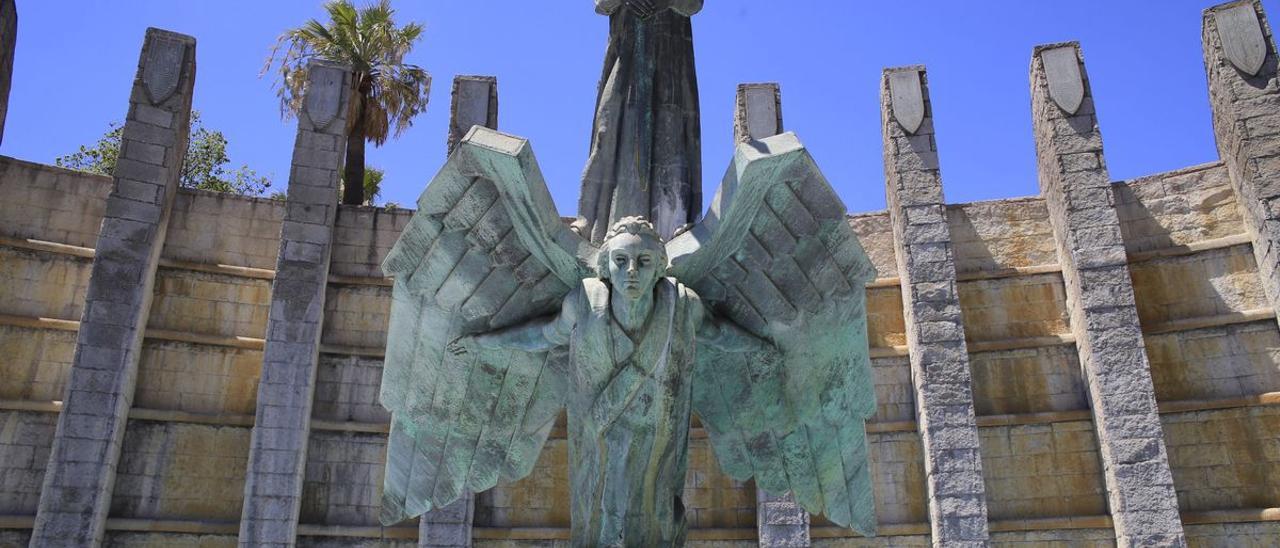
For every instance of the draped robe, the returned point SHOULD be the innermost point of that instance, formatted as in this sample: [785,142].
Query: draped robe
[629,418]
[645,157]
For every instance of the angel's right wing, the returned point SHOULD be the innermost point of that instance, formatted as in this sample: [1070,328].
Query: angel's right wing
[776,256]
[485,250]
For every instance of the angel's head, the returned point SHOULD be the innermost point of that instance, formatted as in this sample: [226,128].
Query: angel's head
[633,257]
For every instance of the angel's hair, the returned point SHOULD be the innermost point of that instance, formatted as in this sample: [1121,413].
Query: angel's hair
[631,225]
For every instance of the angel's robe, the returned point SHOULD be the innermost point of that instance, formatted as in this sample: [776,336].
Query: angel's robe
[645,157]
[629,418]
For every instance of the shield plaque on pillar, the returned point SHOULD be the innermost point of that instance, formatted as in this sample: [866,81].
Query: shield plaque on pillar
[324,92]
[1066,84]
[163,68]
[908,101]
[1241,35]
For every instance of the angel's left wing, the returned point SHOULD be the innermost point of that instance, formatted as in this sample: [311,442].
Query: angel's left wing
[776,255]
[485,250]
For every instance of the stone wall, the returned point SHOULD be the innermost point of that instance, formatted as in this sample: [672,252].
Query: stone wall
[24,450]
[172,470]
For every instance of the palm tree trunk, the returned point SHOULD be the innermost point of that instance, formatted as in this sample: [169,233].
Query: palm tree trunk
[353,173]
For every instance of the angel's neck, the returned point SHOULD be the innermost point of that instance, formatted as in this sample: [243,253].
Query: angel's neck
[631,313]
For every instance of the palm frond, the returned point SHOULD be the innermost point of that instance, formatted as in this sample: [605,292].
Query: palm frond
[390,92]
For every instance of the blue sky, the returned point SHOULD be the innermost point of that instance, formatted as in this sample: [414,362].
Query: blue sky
[75,62]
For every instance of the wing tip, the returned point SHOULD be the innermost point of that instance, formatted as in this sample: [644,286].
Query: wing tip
[393,511]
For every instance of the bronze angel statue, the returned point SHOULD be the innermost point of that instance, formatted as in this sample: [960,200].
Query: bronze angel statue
[753,318]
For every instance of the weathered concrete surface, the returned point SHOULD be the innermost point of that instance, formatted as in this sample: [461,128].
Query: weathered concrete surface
[1177,208]
[172,470]
[1246,123]
[1104,318]
[343,480]
[1218,458]
[51,203]
[197,378]
[278,449]
[24,451]
[1042,471]
[934,323]
[248,231]
[779,520]
[8,42]
[82,464]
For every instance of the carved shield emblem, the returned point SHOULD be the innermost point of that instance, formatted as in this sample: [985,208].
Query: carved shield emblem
[1242,40]
[907,98]
[163,67]
[1062,71]
[324,93]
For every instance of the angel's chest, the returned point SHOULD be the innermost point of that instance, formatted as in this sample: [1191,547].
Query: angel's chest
[601,350]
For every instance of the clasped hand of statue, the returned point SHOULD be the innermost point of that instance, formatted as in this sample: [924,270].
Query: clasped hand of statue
[646,8]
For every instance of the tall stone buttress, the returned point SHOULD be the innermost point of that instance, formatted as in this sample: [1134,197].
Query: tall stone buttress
[1104,317]
[282,422]
[81,473]
[8,42]
[939,357]
[1244,93]
[474,103]
[780,521]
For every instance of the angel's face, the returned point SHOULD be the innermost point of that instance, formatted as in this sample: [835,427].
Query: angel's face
[634,264]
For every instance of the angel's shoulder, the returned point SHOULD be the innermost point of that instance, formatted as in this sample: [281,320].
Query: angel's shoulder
[685,292]
[592,292]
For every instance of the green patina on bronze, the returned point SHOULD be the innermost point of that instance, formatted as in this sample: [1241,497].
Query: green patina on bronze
[502,316]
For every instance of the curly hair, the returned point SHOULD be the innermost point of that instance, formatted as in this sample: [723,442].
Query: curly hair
[638,226]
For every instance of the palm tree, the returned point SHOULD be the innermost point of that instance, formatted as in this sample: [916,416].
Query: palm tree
[386,91]
[372,184]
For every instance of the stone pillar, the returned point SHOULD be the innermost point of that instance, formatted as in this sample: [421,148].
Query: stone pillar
[86,448]
[758,112]
[282,423]
[474,103]
[939,356]
[1104,319]
[780,521]
[1244,91]
[8,39]
[448,527]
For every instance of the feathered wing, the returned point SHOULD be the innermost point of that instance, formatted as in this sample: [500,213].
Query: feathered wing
[486,249]
[776,255]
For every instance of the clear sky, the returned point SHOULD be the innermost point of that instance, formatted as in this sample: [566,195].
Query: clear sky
[75,62]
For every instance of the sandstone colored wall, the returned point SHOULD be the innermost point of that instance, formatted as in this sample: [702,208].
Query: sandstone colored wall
[247,234]
[997,235]
[37,284]
[167,540]
[24,450]
[36,363]
[171,470]
[1177,208]
[1233,535]
[1225,459]
[1028,380]
[1042,471]
[50,203]
[342,484]
[197,378]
